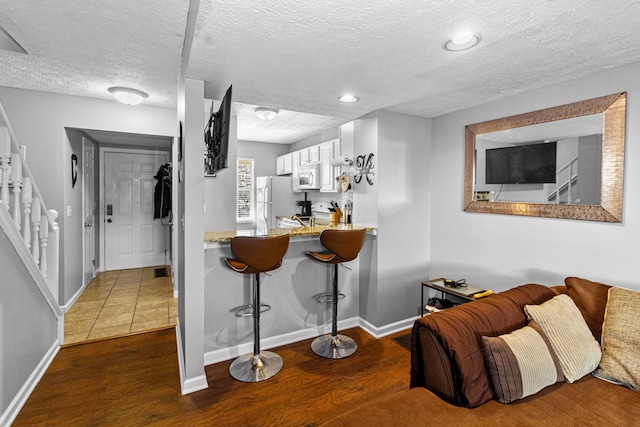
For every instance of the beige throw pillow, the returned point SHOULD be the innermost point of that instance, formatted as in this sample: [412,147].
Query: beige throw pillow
[579,353]
[620,361]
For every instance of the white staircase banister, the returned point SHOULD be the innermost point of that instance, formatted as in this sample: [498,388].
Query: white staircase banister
[7,227]
[44,248]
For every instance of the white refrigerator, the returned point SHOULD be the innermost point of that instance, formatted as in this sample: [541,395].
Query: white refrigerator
[274,197]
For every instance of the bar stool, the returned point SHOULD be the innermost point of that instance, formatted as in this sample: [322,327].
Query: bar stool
[342,246]
[255,255]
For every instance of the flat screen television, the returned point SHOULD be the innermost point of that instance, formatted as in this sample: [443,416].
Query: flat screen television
[522,164]
[216,136]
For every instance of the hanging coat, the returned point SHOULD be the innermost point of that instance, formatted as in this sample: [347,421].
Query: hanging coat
[162,195]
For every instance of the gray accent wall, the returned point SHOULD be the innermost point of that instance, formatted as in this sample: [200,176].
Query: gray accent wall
[29,329]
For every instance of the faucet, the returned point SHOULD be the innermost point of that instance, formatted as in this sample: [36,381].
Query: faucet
[297,218]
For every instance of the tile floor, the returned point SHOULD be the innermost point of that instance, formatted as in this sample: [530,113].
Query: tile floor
[121,302]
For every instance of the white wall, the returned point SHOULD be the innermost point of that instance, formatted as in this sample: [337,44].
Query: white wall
[220,191]
[39,120]
[397,204]
[365,197]
[317,138]
[502,251]
[402,174]
[265,155]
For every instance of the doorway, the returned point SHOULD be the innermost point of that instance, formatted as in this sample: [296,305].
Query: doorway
[131,237]
[137,295]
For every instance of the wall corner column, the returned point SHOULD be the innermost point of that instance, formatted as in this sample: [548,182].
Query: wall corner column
[189,226]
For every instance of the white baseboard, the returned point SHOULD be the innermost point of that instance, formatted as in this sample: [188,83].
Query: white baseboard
[61,330]
[20,399]
[73,299]
[229,353]
[383,331]
[189,385]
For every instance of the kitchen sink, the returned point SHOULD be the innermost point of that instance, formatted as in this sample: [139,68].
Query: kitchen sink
[289,223]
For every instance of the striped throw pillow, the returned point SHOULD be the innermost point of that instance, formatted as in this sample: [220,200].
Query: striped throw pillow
[579,353]
[520,363]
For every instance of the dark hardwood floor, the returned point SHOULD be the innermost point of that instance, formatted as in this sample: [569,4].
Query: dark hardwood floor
[134,381]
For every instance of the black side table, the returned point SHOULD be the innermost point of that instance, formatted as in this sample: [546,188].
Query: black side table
[463,293]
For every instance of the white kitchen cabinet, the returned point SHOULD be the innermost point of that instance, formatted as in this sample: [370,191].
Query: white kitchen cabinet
[295,160]
[328,173]
[284,164]
[304,156]
[314,154]
[280,165]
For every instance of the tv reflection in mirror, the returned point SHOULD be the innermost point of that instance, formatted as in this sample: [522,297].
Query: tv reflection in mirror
[562,171]
[522,164]
[216,137]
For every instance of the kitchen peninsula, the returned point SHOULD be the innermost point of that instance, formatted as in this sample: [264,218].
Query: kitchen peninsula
[314,231]
[289,290]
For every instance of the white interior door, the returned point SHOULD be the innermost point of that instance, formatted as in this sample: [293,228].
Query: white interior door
[132,237]
[88,210]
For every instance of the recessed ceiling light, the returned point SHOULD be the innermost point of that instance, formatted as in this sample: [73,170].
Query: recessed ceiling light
[462,41]
[348,98]
[265,113]
[127,95]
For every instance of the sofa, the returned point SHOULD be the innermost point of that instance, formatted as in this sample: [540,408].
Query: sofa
[454,380]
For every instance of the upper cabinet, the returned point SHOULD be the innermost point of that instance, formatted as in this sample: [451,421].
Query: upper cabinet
[317,154]
[328,173]
[284,164]
[314,154]
[310,155]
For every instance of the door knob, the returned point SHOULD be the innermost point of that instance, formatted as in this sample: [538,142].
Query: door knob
[109,220]
[87,224]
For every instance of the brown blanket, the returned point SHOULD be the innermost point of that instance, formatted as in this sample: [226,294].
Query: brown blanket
[459,331]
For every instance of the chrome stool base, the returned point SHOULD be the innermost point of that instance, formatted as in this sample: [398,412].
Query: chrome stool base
[331,347]
[252,369]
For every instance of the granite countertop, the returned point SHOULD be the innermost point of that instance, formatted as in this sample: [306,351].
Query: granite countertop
[226,236]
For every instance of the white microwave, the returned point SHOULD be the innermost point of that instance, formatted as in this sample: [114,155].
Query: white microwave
[307,178]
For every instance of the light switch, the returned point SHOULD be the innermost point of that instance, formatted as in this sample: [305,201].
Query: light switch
[68,210]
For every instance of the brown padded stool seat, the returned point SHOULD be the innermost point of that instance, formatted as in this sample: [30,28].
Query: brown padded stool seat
[342,246]
[255,255]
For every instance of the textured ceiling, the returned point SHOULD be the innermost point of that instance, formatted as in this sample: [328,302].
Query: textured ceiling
[84,47]
[300,56]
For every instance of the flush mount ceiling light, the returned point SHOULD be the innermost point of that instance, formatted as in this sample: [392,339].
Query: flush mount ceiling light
[265,113]
[462,41]
[348,98]
[127,95]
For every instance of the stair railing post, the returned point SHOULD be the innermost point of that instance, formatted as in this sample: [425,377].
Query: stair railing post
[53,255]
[27,198]
[35,224]
[16,179]
[5,155]
[4,191]
[44,236]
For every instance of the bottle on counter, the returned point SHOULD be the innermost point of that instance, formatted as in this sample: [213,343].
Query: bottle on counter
[346,217]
